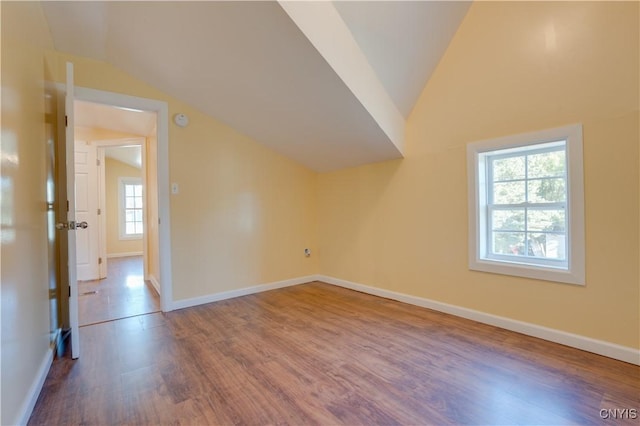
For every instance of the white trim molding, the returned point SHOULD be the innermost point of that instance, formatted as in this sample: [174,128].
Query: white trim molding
[31,397]
[124,254]
[215,297]
[161,108]
[154,282]
[600,347]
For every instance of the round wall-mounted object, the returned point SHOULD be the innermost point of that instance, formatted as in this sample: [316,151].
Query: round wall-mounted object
[181,120]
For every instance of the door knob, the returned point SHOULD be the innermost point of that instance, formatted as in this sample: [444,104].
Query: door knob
[72,225]
[62,225]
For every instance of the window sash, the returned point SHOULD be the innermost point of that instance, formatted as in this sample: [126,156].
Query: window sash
[133,193]
[525,206]
[131,208]
[526,231]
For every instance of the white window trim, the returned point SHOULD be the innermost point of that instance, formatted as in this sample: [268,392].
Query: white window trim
[575,272]
[122,181]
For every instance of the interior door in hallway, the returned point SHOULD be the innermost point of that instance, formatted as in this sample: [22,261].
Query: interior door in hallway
[86,191]
[67,223]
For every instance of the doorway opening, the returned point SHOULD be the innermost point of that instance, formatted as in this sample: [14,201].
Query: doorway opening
[116,193]
[122,294]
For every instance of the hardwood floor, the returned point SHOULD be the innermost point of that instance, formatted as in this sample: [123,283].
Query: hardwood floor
[122,294]
[319,354]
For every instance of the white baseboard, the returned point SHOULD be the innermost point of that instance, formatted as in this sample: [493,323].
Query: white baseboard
[154,282]
[31,397]
[57,342]
[600,347]
[186,303]
[126,254]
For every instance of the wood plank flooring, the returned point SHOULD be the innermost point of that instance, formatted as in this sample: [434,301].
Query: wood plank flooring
[319,354]
[124,293]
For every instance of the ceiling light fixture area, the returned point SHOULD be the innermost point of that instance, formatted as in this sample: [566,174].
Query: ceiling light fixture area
[181,120]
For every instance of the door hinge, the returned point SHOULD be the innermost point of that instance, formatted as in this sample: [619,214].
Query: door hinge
[97,161]
[99,261]
[99,212]
[66,121]
[69,291]
[67,205]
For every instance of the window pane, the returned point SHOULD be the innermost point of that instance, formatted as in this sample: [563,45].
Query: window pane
[138,202]
[138,228]
[130,228]
[128,190]
[550,246]
[128,203]
[547,190]
[138,190]
[546,220]
[508,168]
[546,164]
[129,215]
[138,215]
[508,220]
[511,243]
[508,193]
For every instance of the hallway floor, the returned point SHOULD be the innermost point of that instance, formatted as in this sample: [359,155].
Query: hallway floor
[124,293]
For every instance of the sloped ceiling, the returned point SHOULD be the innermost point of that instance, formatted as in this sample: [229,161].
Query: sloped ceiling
[403,40]
[131,155]
[250,65]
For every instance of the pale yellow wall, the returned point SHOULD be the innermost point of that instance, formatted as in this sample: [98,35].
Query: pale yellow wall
[114,170]
[244,214]
[23,286]
[511,68]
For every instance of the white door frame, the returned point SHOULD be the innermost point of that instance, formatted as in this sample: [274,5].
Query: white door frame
[72,267]
[164,226]
[101,145]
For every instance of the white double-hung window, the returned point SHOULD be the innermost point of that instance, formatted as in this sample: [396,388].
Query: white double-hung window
[526,214]
[131,210]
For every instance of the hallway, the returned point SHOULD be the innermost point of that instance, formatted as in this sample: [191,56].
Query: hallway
[124,293]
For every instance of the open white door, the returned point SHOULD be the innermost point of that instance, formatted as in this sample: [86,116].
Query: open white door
[86,205]
[71,215]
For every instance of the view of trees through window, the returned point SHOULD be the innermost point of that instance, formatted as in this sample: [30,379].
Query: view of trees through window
[527,197]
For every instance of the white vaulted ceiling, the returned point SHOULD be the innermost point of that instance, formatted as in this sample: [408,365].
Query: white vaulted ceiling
[131,155]
[403,40]
[329,93]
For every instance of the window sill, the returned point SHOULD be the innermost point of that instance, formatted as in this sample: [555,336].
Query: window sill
[527,271]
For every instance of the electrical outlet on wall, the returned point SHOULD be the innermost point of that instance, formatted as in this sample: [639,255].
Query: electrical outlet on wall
[174,188]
